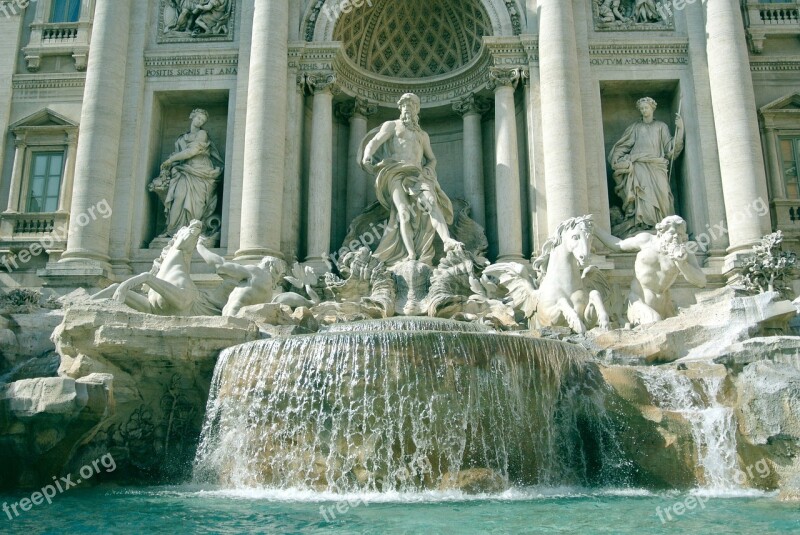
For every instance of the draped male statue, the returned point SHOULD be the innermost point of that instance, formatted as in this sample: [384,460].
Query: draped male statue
[406,185]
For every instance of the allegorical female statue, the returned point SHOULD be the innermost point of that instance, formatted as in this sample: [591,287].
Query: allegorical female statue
[188,181]
[641,160]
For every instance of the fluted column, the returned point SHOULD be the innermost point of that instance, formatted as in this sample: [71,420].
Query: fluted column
[358,183]
[293,182]
[98,146]
[472,109]
[733,100]
[320,182]
[562,118]
[507,178]
[265,132]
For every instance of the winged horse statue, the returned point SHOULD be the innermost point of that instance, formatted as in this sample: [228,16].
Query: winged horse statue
[558,288]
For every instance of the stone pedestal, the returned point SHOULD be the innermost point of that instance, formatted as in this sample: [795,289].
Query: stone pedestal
[413,280]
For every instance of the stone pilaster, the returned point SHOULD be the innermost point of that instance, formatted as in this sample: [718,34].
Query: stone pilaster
[320,183]
[562,118]
[16,176]
[507,177]
[65,199]
[472,108]
[265,132]
[358,182]
[87,255]
[738,140]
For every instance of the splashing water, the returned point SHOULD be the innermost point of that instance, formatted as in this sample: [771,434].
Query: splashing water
[713,425]
[366,408]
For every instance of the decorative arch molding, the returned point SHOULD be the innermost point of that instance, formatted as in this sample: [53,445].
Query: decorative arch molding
[504,16]
[497,52]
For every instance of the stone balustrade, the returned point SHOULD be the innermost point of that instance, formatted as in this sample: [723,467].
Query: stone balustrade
[766,19]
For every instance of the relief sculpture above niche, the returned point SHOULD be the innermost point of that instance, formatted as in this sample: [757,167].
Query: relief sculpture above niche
[632,15]
[183,21]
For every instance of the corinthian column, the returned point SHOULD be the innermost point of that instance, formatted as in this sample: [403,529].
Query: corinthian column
[320,183]
[472,109]
[265,132]
[98,146]
[507,179]
[562,122]
[358,183]
[739,143]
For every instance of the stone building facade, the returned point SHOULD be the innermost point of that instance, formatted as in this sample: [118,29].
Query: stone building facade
[523,100]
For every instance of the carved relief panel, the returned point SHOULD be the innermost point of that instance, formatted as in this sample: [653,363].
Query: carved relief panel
[184,21]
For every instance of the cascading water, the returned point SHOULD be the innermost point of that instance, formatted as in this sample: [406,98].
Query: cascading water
[403,404]
[713,425]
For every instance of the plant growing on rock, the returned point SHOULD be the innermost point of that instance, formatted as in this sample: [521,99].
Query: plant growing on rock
[770,269]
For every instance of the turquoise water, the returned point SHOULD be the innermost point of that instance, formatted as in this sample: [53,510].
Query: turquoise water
[189,509]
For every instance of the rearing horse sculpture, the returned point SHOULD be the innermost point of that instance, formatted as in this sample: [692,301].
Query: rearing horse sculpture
[559,289]
[171,289]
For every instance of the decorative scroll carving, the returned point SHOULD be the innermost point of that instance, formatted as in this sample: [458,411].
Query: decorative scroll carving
[317,82]
[499,77]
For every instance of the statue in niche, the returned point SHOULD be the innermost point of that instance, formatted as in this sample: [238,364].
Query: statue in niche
[198,18]
[187,185]
[642,160]
[660,260]
[407,186]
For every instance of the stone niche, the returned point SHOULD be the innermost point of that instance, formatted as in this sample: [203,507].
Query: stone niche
[619,112]
[171,112]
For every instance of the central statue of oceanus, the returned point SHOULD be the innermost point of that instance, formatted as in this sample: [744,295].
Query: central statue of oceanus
[406,185]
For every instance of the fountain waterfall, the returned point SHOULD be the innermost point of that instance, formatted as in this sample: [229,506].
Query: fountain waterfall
[404,404]
[713,425]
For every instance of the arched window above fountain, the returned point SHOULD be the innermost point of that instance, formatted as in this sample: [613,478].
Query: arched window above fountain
[413,38]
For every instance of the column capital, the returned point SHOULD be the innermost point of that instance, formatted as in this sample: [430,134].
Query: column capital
[20,140]
[301,81]
[358,106]
[504,77]
[321,82]
[471,105]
